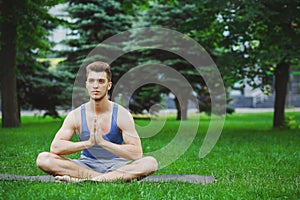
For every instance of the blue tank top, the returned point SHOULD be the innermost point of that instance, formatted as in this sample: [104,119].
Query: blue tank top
[114,135]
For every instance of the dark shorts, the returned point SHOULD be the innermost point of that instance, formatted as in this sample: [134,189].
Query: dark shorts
[101,165]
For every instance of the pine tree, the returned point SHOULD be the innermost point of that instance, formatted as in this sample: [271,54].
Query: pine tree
[93,22]
[25,27]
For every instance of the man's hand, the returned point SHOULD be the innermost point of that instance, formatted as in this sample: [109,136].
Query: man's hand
[96,136]
[99,135]
[92,139]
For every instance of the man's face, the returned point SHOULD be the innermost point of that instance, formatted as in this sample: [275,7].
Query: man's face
[97,85]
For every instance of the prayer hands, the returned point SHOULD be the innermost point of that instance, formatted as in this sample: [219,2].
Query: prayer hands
[96,136]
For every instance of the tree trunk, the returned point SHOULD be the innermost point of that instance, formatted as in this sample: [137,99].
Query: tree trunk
[181,109]
[9,99]
[281,83]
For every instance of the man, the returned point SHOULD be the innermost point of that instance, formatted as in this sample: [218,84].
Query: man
[109,144]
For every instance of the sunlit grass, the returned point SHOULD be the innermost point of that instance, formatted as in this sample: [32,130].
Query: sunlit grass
[250,161]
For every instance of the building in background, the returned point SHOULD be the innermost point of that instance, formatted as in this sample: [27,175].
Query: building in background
[248,97]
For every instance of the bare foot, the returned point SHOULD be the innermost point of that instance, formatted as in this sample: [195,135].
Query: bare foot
[68,179]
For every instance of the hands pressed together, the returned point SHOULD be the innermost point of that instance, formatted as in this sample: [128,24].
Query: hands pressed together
[96,136]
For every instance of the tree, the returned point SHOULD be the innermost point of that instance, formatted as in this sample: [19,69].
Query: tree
[93,22]
[261,39]
[44,88]
[240,36]
[245,38]
[187,17]
[9,100]
[24,31]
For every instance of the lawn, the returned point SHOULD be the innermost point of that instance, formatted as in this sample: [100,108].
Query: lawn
[250,161]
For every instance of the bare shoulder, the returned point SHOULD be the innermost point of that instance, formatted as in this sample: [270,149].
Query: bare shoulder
[73,118]
[126,125]
[124,116]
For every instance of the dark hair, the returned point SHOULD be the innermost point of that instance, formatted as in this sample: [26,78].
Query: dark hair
[99,66]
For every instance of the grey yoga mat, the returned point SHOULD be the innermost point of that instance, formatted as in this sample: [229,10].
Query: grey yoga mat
[189,178]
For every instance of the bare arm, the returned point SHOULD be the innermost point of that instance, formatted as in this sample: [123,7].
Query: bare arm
[61,143]
[132,148]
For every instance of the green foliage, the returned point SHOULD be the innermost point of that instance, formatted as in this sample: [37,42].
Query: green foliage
[291,122]
[259,35]
[38,87]
[25,27]
[193,19]
[145,98]
[44,89]
[34,24]
[94,21]
[245,38]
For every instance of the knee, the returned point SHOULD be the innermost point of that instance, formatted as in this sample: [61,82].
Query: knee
[152,163]
[43,160]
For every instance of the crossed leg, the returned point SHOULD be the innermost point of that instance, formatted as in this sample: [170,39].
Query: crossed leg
[68,171]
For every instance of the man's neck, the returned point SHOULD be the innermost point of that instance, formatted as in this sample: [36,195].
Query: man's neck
[99,107]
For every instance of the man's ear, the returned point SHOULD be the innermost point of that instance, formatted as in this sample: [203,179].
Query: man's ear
[109,85]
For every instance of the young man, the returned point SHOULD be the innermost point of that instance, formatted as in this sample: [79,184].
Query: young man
[109,144]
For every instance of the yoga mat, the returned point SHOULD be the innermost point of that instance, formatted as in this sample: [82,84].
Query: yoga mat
[189,178]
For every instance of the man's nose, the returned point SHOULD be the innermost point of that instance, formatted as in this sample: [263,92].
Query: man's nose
[95,84]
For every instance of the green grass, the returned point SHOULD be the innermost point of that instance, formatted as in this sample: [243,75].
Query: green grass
[250,161]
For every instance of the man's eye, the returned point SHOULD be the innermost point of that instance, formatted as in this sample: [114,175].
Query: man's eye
[100,81]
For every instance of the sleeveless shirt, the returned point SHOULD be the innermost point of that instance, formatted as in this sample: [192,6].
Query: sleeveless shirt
[114,135]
